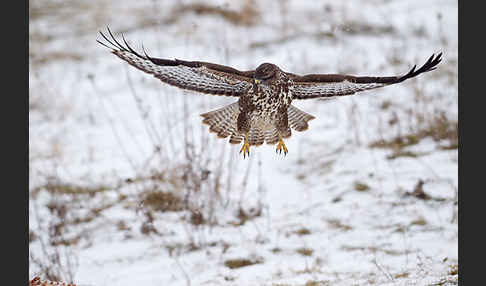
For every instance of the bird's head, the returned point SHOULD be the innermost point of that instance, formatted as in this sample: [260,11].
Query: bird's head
[265,73]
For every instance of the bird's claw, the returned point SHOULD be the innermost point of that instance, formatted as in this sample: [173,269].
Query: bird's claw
[245,148]
[281,147]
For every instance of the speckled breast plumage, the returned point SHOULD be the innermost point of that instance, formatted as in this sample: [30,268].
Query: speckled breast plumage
[269,102]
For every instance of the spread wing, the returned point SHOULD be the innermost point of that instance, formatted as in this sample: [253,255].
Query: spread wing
[198,76]
[329,85]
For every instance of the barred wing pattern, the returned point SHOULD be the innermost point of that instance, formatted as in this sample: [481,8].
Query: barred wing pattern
[198,76]
[329,85]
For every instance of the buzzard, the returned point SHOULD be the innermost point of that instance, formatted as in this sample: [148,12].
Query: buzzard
[263,112]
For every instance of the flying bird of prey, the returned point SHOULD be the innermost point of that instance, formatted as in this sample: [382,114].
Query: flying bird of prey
[263,112]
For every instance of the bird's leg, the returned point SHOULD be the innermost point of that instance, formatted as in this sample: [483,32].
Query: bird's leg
[246,147]
[281,146]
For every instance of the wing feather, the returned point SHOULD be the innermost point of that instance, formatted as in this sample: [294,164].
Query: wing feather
[192,75]
[329,85]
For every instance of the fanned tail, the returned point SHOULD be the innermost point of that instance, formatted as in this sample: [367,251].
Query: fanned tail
[222,121]
[271,136]
[298,119]
[256,136]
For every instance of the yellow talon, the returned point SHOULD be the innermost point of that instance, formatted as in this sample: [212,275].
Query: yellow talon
[246,147]
[281,146]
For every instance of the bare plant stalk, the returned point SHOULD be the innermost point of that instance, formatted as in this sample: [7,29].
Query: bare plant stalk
[113,128]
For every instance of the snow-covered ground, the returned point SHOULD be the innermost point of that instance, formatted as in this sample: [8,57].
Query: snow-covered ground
[128,188]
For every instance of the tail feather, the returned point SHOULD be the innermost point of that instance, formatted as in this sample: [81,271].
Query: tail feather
[222,121]
[256,136]
[236,138]
[271,136]
[298,119]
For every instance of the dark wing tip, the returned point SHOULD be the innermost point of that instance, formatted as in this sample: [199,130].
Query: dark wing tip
[153,60]
[130,48]
[100,42]
[115,45]
[430,65]
[145,53]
